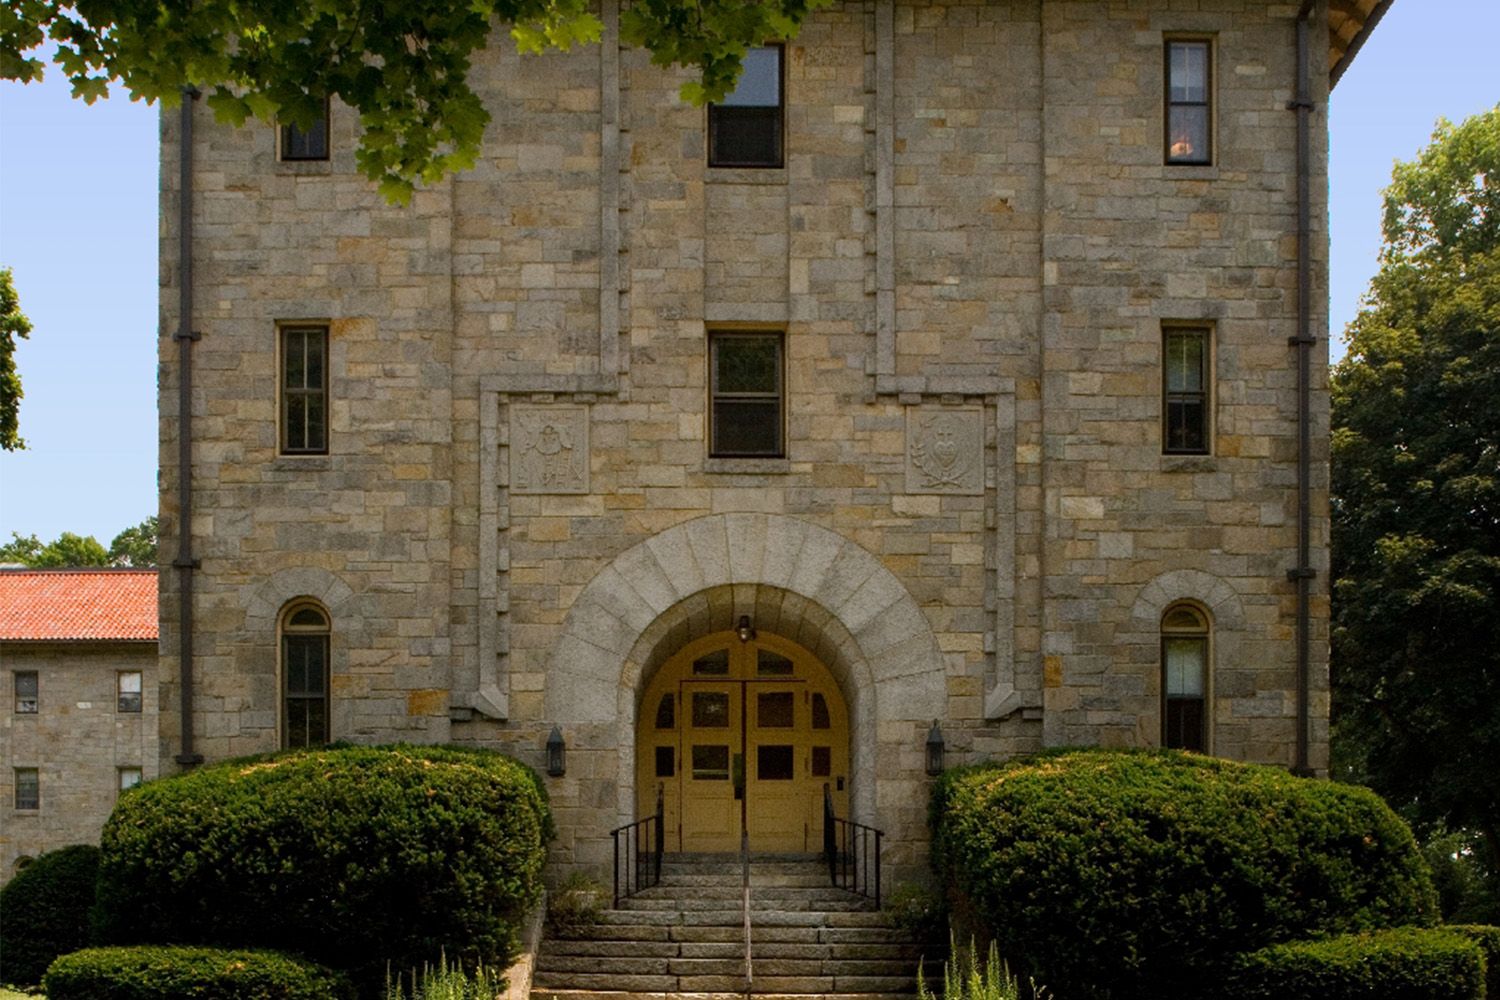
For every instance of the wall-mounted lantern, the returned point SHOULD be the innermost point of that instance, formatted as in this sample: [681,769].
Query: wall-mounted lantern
[557,754]
[935,750]
[744,629]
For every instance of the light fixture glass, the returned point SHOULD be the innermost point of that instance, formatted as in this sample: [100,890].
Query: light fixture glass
[935,749]
[557,754]
[744,630]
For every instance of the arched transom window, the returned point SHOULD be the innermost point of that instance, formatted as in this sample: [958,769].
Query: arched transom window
[1185,633]
[304,676]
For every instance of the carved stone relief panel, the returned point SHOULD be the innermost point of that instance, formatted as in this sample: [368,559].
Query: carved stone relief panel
[549,449]
[945,450]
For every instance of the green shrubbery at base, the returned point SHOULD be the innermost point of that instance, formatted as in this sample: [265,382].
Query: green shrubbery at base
[44,911]
[1403,963]
[171,973]
[356,857]
[1488,940]
[1142,874]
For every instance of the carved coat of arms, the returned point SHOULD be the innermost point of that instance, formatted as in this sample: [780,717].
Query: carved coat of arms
[549,449]
[945,451]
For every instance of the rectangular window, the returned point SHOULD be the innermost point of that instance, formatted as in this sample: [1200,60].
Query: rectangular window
[308,144]
[304,390]
[128,778]
[28,788]
[745,376]
[746,128]
[305,659]
[1189,112]
[26,692]
[1186,401]
[128,690]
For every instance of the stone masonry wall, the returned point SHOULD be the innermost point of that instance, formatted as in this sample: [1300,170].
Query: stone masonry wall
[76,740]
[973,239]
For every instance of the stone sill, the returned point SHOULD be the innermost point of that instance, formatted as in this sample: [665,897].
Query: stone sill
[312,167]
[744,175]
[748,466]
[310,463]
[1189,463]
[1189,172]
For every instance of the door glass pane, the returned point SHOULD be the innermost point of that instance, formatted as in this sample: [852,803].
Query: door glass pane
[715,664]
[666,712]
[820,718]
[710,710]
[710,763]
[665,763]
[774,710]
[822,761]
[769,664]
[774,763]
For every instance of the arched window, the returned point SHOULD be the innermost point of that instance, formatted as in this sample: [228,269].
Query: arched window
[304,676]
[1184,682]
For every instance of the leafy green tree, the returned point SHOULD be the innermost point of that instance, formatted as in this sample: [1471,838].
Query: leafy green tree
[402,66]
[12,325]
[132,547]
[135,546]
[1416,496]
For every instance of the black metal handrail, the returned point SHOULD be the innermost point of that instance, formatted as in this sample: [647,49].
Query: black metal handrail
[848,851]
[641,868]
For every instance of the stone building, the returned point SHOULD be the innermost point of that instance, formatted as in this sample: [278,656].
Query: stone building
[78,651]
[942,383]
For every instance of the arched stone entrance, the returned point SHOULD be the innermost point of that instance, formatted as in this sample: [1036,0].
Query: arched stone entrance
[742,733]
[794,580]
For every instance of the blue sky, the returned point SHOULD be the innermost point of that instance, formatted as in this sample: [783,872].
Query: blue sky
[78,225]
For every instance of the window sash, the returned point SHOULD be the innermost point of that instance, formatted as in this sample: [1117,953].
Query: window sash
[746,129]
[305,690]
[1185,395]
[128,691]
[1184,692]
[746,382]
[28,788]
[312,144]
[26,692]
[304,390]
[1189,110]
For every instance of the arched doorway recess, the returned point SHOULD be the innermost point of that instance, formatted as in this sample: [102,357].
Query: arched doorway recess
[742,734]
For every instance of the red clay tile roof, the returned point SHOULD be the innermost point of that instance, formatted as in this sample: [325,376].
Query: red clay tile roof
[74,604]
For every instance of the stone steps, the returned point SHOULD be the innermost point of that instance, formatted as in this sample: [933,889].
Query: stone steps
[685,938]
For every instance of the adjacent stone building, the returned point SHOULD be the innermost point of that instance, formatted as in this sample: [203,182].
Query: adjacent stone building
[942,383]
[78,651]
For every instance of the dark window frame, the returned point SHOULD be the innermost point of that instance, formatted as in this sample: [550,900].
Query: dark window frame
[129,701]
[303,406]
[718,447]
[1173,139]
[762,123]
[299,146]
[26,703]
[308,703]
[33,801]
[1180,434]
[1184,717]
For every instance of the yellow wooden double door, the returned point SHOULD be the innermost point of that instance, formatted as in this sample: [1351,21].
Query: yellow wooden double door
[743,735]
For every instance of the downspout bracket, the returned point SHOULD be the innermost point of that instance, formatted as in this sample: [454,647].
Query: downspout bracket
[181,563]
[1301,573]
[194,335]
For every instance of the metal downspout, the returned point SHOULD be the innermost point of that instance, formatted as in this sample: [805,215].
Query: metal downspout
[1303,573]
[185,564]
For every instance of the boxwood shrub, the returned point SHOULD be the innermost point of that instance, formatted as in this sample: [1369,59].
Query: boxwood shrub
[1488,939]
[1405,963]
[1134,874]
[351,856]
[44,912]
[171,973]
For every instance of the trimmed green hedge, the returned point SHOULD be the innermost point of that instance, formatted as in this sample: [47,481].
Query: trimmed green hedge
[44,911]
[1488,939]
[157,973]
[1141,874]
[1405,963]
[352,856]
